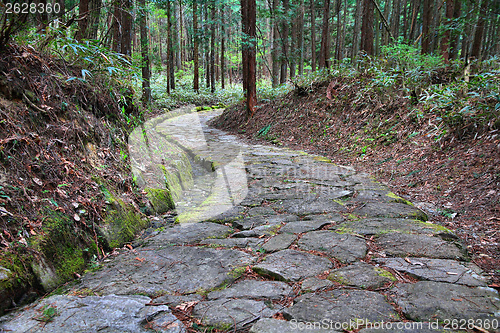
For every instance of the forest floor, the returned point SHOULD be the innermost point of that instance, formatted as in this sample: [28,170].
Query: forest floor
[454,178]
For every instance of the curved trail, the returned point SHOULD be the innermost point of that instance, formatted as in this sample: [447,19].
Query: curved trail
[282,234]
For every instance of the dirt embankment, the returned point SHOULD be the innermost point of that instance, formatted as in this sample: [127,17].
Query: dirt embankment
[453,175]
[66,191]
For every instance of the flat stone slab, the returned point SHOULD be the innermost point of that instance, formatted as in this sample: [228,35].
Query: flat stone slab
[379,226]
[362,275]
[269,325]
[292,265]
[306,207]
[279,242]
[254,289]
[110,313]
[235,213]
[315,284]
[256,221]
[189,233]
[263,230]
[226,314]
[172,269]
[438,270]
[404,245]
[390,210]
[260,211]
[234,242]
[344,247]
[428,301]
[303,226]
[341,306]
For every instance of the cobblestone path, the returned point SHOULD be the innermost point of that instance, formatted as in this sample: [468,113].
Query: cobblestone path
[283,242]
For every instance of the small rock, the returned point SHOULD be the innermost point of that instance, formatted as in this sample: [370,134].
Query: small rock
[344,247]
[279,242]
[315,284]
[362,275]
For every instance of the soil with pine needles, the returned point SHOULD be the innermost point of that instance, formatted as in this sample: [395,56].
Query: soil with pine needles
[453,176]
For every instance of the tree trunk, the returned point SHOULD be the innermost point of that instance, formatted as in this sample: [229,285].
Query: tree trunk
[223,49]
[94,16]
[357,29]
[300,37]
[196,80]
[83,10]
[313,35]
[324,54]
[445,41]
[212,48]
[126,37]
[426,22]
[284,42]
[395,19]
[478,35]
[275,45]
[117,25]
[248,11]
[293,49]
[367,27]
[171,54]
[146,74]
[413,27]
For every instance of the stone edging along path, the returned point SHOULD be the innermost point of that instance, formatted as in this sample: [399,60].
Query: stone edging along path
[302,245]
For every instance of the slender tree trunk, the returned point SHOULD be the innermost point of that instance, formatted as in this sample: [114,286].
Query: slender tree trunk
[426,22]
[300,37]
[146,74]
[466,37]
[223,49]
[445,41]
[293,49]
[478,34]
[313,35]
[395,19]
[357,28]
[413,28]
[83,21]
[171,54]
[126,40]
[457,6]
[367,27]
[284,42]
[325,35]
[117,25]
[94,16]
[275,45]
[248,11]
[196,80]
[212,48]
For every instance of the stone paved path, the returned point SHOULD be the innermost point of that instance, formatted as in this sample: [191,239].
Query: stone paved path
[308,246]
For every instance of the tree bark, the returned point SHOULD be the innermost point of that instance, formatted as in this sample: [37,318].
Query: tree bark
[248,10]
[478,35]
[426,22]
[324,54]
[223,49]
[284,42]
[126,38]
[83,11]
[313,35]
[445,41]
[171,54]
[300,37]
[212,48]
[196,79]
[275,45]
[395,19]
[358,17]
[146,74]
[367,27]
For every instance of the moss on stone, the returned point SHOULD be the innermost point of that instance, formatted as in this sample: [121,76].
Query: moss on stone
[322,159]
[161,199]
[382,272]
[398,199]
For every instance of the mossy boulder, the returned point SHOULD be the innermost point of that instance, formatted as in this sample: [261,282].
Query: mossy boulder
[15,276]
[161,199]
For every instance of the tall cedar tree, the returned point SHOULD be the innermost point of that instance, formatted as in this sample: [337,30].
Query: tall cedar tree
[146,73]
[324,52]
[367,27]
[196,79]
[248,19]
